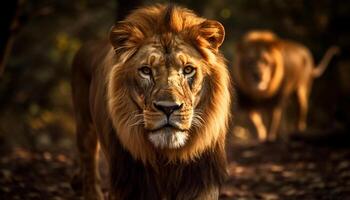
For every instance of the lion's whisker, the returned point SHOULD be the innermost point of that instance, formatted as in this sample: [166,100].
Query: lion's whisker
[139,122]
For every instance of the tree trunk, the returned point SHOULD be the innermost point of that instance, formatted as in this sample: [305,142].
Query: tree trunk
[8,26]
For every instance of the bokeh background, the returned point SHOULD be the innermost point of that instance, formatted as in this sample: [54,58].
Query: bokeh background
[39,39]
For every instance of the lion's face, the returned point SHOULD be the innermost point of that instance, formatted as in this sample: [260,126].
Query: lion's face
[167,90]
[257,66]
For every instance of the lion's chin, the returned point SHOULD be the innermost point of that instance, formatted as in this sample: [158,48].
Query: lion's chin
[168,137]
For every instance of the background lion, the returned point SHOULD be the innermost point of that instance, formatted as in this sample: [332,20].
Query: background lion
[156,98]
[268,71]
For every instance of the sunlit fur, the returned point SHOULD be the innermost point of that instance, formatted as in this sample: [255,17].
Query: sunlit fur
[145,37]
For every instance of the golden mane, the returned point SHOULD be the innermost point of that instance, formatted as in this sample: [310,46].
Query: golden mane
[262,36]
[127,36]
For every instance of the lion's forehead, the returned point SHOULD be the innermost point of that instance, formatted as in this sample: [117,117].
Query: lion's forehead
[180,53]
[257,53]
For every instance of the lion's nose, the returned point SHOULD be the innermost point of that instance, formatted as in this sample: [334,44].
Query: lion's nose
[256,76]
[167,107]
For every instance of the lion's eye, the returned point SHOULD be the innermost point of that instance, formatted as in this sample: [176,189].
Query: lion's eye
[189,71]
[145,71]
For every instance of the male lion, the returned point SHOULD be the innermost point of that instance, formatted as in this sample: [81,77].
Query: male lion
[268,71]
[156,98]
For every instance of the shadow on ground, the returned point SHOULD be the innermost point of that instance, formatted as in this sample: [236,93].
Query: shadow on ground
[293,170]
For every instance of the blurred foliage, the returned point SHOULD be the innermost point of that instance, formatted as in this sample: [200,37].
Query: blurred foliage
[35,102]
[35,94]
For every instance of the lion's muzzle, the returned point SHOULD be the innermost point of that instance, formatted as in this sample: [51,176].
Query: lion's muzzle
[167,107]
[168,124]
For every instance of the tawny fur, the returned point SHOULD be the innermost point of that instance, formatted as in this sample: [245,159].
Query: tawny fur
[268,70]
[112,106]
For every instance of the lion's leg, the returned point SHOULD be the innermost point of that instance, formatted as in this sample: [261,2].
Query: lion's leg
[88,152]
[302,94]
[257,120]
[275,122]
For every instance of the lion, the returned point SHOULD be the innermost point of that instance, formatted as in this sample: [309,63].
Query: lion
[268,70]
[156,99]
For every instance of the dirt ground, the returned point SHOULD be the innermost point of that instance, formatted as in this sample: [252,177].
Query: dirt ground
[293,170]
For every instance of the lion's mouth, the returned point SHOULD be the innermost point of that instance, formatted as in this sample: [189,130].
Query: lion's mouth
[262,85]
[168,136]
[167,126]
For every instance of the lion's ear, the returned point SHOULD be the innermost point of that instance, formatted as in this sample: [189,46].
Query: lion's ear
[125,36]
[213,32]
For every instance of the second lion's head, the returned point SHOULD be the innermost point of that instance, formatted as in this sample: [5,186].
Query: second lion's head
[168,89]
[259,66]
